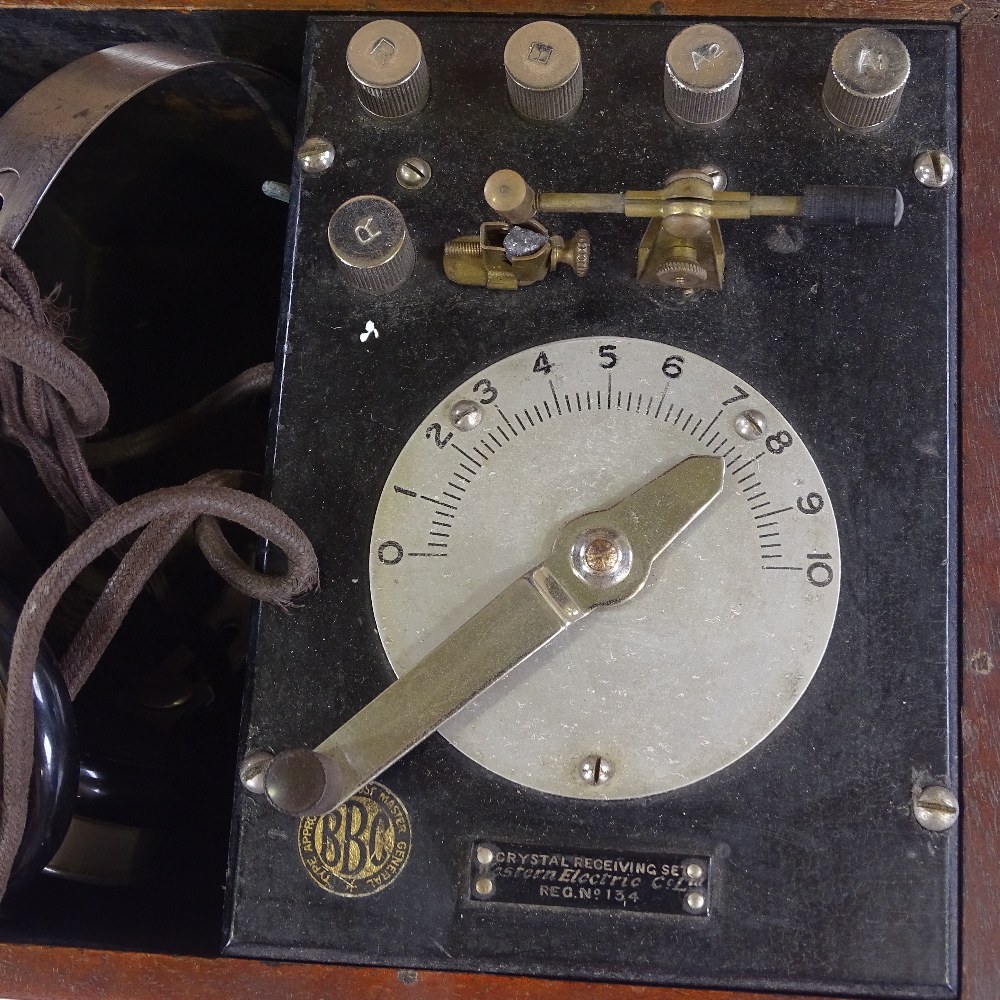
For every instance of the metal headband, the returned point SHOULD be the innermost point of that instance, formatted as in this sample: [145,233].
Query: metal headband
[40,133]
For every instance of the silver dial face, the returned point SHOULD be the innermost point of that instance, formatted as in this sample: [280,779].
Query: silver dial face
[714,652]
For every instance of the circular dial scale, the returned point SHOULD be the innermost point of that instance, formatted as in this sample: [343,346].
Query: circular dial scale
[709,657]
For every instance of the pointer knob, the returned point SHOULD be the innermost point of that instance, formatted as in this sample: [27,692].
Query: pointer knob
[372,245]
[701,80]
[544,71]
[390,74]
[864,84]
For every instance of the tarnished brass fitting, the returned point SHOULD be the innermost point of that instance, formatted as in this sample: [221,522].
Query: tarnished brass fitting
[508,257]
[682,246]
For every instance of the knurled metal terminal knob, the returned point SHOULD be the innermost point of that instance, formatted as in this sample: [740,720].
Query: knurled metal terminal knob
[701,79]
[386,60]
[865,81]
[544,71]
[372,245]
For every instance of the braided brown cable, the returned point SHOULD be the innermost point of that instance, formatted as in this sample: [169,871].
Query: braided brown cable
[49,399]
[164,514]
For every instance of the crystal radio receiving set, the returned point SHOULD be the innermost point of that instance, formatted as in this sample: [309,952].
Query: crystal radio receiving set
[616,392]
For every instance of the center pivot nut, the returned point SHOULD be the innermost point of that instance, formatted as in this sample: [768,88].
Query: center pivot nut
[601,557]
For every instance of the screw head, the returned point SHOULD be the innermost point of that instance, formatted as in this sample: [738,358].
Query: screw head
[935,808]
[601,557]
[316,155]
[750,424]
[934,168]
[253,770]
[413,173]
[718,176]
[596,770]
[484,886]
[465,415]
[484,855]
[694,902]
[694,871]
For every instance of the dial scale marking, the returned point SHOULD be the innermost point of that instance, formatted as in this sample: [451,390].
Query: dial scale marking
[721,643]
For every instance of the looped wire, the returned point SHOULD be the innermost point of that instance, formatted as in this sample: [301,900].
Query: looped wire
[49,397]
[164,515]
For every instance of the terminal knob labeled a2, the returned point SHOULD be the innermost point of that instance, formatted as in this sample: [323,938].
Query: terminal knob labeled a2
[386,62]
[864,83]
[369,238]
[702,76]
[544,71]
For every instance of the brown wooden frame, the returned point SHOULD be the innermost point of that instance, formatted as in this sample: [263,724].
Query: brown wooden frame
[860,10]
[44,973]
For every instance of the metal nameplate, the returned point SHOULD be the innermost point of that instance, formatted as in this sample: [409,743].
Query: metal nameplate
[633,881]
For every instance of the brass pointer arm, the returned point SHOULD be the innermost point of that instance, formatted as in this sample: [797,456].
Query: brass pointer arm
[600,558]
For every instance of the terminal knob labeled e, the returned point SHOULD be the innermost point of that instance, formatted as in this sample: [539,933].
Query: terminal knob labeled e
[865,81]
[544,71]
[386,61]
[372,245]
[702,76]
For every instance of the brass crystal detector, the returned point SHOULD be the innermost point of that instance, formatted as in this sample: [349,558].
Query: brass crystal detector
[682,246]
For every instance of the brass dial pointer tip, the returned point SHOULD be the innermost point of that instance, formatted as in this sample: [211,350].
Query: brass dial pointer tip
[302,782]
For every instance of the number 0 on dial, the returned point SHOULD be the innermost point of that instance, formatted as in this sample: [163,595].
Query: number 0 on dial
[733,623]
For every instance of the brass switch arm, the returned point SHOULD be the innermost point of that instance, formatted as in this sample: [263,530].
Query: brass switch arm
[682,246]
[567,202]
[531,611]
[657,204]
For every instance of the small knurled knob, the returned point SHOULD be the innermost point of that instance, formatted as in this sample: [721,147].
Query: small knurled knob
[574,252]
[701,79]
[370,240]
[578,253]
[682,273]
[864,84]
[544,71]
[386,60]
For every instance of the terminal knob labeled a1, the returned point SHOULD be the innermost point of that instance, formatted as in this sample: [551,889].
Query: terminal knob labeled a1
[386,61]
[702,76]
[544,71]
[865,81]
[372,245]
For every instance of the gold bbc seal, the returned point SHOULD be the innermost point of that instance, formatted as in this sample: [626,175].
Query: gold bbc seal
[359,848]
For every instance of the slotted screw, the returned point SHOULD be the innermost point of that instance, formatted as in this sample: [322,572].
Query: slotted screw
[596,770]
[750,424]
[413,173]
[934,168]
[936,808]
[253,770]
[316,155]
